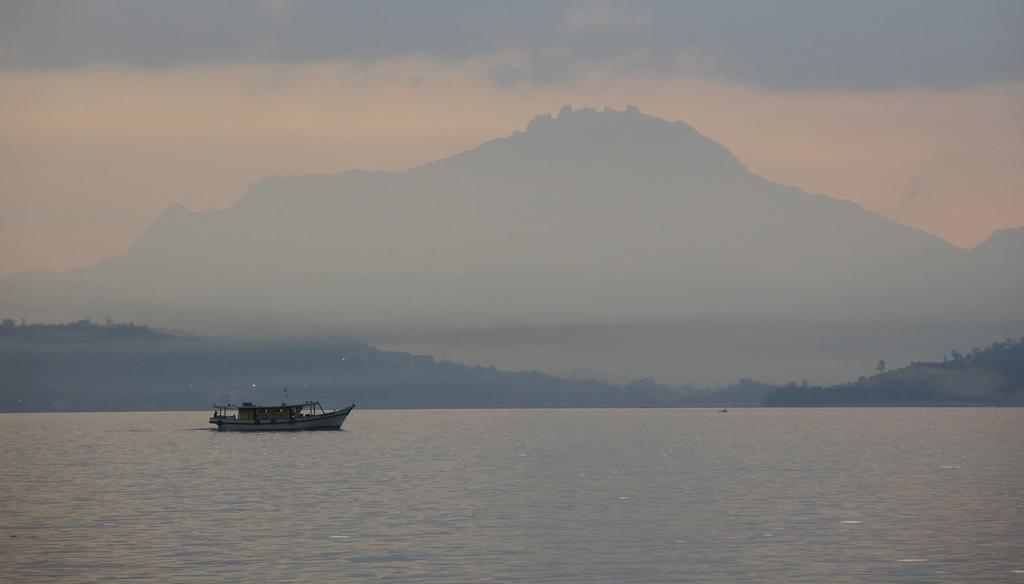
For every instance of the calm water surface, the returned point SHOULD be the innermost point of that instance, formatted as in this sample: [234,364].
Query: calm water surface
[817,495]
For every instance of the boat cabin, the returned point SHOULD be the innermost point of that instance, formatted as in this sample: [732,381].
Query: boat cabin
[253,412]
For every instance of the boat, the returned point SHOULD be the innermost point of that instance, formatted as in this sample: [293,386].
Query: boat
[251,417]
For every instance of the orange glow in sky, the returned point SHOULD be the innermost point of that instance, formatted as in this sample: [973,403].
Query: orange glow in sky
[90,156]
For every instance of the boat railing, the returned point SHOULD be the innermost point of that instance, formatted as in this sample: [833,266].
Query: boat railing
[305,410]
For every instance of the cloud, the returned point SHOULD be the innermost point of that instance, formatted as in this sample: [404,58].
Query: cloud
[794,44]
[607,17]
[537,68]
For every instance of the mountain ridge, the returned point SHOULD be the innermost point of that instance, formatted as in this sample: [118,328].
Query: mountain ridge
[993,375]
[589,217]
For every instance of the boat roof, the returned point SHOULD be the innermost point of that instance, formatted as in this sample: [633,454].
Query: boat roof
[251,405]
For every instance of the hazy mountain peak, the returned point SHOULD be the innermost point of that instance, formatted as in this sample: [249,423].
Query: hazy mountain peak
[1004,251]
[568,118]
[606,142]
[170,220]
[1010,238]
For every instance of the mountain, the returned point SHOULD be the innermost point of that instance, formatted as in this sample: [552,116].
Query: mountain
[83,366]
[606,226]
[990,376]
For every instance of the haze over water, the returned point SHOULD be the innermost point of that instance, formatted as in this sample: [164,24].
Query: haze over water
[500,495]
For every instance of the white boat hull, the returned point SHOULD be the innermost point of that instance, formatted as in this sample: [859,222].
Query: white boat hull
[328,421]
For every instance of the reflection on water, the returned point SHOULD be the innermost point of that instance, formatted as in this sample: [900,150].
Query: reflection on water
[844,495]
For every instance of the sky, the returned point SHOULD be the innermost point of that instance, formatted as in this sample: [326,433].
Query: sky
[112,111]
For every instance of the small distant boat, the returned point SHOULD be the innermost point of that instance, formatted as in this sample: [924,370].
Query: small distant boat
[250,417]
[723,410]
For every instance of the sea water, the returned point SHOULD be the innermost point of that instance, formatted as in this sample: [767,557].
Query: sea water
[793,495]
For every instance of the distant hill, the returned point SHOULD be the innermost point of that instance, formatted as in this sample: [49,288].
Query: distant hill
[990,376]
[615,223]
[82,331]
[83,366]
